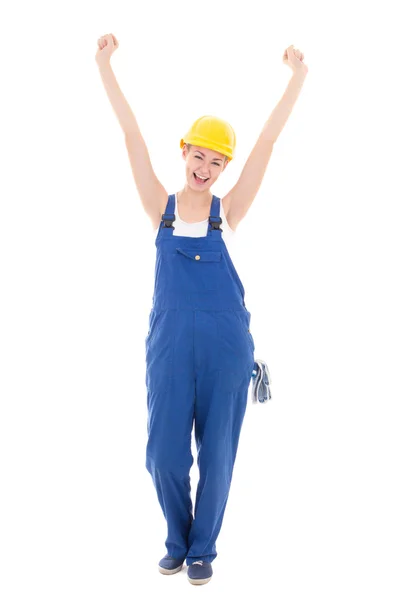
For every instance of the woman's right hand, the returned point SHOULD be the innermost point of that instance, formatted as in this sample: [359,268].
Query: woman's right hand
[107,45]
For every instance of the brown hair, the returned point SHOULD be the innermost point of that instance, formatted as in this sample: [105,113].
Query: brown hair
[190,145]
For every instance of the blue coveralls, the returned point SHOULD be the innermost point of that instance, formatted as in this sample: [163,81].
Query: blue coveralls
[199,362]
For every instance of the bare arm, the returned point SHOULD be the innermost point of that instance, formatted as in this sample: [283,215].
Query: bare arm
[283,109]
[152,193]
[238,201]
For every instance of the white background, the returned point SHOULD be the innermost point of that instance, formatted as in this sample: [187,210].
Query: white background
[312,509]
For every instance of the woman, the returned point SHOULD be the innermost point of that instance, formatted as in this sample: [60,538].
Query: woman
[199,349]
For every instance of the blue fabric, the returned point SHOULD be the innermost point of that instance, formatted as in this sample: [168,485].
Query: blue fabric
[199,364]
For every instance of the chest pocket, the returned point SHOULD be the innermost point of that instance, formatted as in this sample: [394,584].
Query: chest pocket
[201,255]
[200,270]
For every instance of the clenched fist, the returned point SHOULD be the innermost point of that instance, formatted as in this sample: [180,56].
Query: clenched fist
[294,58]
[107,45]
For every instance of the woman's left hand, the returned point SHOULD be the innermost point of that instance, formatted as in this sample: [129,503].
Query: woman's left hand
[293,58]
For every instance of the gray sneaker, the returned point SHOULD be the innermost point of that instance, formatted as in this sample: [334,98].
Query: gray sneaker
[169,565]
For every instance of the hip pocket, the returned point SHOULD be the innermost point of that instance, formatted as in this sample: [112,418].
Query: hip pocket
[244,317]
[154,319]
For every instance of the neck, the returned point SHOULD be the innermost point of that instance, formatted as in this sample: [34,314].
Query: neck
[188,197]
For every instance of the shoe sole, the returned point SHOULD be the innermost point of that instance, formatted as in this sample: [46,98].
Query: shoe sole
[199,581]
[169,571]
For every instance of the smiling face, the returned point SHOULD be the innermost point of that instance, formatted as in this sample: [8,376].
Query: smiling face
[204,163]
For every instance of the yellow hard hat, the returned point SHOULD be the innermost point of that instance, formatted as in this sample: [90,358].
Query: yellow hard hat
[213,133]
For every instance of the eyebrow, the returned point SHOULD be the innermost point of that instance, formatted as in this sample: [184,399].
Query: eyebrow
[202,153]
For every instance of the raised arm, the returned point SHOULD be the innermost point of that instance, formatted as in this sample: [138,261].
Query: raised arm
[151,192]
[238,201]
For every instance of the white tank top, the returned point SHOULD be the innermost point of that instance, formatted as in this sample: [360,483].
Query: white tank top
[199,228]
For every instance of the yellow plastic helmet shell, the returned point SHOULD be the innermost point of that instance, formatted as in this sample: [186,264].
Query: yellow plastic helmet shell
[213,133]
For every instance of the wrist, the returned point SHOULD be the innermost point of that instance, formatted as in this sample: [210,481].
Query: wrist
[301,72]
[104,65]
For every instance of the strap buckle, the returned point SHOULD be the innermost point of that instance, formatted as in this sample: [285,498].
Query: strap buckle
[215,223]
[168,219]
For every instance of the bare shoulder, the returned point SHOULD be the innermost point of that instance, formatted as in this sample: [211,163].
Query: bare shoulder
[226,204]
[155,206]
[162,204]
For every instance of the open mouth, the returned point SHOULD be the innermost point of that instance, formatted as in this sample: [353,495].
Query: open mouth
[200,180]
